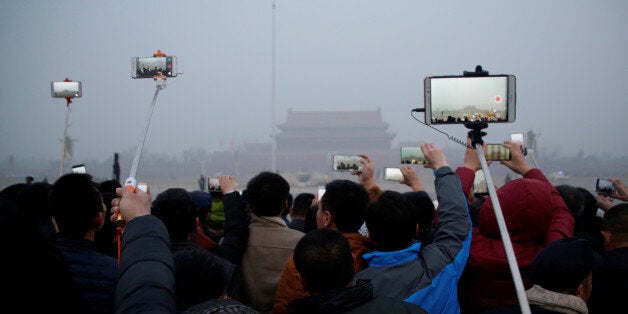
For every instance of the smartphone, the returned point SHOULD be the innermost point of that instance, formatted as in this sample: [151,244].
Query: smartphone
[412,155]
[344,163]
[480,187]
[213,184]
[79,169]
[459,99]
[148,67]
[66,89]
[393,174]
[497,152]
[604,187]
[518,138]
[321,192]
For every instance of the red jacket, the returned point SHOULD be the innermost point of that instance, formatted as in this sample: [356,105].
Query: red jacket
[535,215]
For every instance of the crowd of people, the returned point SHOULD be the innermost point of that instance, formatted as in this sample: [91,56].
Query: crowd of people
[80,246]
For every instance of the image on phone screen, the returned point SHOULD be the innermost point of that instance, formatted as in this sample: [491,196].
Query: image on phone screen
[412,155]
[604,187]
[393,174]
[66,89]
[79,169]
[347,163]
[497,152]
[213,184]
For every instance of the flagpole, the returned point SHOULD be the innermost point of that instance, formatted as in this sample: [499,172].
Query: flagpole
[274,143]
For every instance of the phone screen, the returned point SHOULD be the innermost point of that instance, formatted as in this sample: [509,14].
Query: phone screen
[213,184]
[344,163]
[148,67]
[460,99]
[321,192]
[66,89]
[412,155]
[79,169]
[480,187]
[393,174]
[605,187]
[516,138]
[497,152]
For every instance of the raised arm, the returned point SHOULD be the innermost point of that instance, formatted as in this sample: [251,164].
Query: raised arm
[236,225]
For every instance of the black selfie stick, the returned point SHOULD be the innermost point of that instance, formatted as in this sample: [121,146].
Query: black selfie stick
[475,135]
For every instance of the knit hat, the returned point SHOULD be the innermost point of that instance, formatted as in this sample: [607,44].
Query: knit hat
[564,264]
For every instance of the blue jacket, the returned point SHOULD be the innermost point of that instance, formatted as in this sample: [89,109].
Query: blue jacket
[93,273]
[428,275]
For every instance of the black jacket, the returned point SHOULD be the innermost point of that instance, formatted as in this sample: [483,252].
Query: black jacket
[146,277]
[355,299]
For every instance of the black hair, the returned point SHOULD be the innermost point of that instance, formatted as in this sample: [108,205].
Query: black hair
[324,261]
[422,203]
[310,219]
[302,203]
[267,193]
[346,201]
[176,208]
[75,202]
[391,221]
[575,202]
[104,239]
[616,220]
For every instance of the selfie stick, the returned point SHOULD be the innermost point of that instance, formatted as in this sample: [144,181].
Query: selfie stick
[131,183]
[475,135]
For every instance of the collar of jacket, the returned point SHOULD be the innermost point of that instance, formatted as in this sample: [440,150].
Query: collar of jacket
[378,258]
[268,221]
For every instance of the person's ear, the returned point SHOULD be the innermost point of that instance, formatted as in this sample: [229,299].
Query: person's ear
[355,263]
[327,219]
[300,279]
[418,229]
[196,222]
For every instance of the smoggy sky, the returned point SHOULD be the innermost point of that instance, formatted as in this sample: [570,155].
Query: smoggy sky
[569,57]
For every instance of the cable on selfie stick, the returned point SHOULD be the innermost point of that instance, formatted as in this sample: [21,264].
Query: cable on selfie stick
[450,137]
[131,183]
[476,135]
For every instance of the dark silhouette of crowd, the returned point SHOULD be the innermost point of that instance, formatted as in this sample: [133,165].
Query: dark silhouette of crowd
[356,249]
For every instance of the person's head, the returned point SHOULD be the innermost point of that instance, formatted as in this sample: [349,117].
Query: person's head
[198,277]
[10,192]
[391,221]
[33,201]
[422,203]
[301,205]
[29,179]
[310,219]
[77,205]
[565,266]
[590,221]
[177,210]
[522,201]
[324,261]
[575,202]
[267,194]
[615,227]
[203,201]
[343,206]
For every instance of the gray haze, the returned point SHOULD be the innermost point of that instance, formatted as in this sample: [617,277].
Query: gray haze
[570,59]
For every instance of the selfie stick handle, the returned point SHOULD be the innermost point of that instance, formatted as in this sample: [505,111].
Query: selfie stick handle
[476,140]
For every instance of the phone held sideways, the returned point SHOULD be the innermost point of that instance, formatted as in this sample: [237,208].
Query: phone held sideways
[347,163]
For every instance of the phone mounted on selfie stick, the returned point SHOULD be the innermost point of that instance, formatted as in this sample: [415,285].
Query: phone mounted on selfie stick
[131,182]
[475,135]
